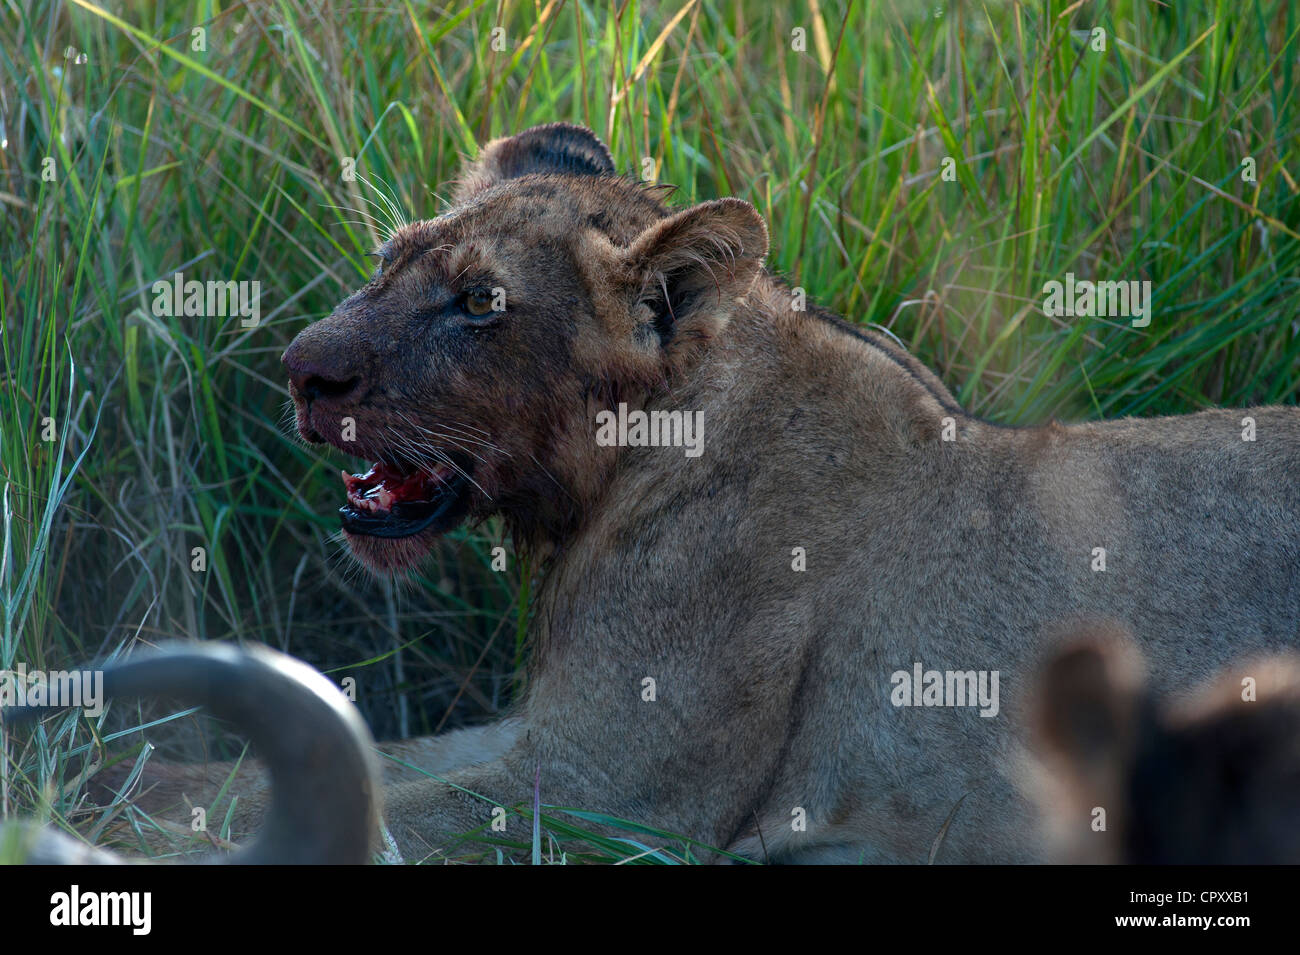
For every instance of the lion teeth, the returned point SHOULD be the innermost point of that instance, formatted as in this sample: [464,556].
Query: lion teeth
[384,486]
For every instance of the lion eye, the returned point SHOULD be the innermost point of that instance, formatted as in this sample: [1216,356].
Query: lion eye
[478,301]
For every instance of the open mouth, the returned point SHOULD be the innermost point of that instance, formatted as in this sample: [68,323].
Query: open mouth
[394,499]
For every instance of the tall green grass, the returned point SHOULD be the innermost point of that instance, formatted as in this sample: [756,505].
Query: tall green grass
[223,159]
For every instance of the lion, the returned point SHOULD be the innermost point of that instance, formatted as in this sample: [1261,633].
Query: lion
[1214,780]
[791,644]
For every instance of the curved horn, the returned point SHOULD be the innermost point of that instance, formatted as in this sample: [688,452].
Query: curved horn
[324,774]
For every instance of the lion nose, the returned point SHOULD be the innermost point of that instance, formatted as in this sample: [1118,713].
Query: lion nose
[318,376]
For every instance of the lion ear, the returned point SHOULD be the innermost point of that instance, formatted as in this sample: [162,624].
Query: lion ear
[554,148]
[1091,701]
[691,267]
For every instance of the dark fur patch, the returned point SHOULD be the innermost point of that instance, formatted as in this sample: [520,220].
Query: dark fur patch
[555,148]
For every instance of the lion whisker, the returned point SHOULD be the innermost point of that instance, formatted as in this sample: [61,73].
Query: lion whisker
[422,453]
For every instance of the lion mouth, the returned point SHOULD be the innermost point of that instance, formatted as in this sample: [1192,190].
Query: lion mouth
[395,499]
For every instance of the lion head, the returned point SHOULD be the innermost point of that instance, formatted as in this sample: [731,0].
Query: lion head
[469,370]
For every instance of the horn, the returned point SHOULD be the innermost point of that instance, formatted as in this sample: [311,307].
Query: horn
[324,773]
